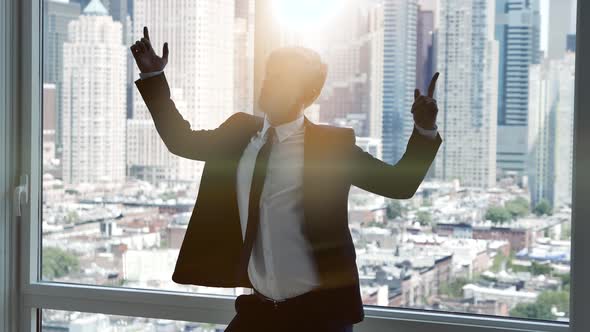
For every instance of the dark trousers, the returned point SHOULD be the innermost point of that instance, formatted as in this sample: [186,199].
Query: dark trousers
[257,314]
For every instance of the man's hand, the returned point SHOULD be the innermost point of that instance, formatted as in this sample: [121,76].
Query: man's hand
[424,108]
[145,56]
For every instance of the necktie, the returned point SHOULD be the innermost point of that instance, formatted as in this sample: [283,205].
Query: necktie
[254,203]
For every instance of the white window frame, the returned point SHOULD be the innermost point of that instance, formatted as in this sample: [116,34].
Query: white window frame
[8,99]
[22,293]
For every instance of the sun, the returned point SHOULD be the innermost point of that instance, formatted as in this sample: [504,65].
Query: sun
[302,15]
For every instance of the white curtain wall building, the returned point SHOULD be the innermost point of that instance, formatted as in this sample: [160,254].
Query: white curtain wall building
[467,92]
[93,99]
[550,132]
[200,70]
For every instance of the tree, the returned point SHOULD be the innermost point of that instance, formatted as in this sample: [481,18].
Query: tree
[538,269]
[518,207]
[374,223]
[424,217]
[57,263]
[497,214]
[454,288]
[566,232]
[501,261]
[541,309]
[532,311]
[543,207]
[168,195]
[394,209]
[559,299]
[72,217]
[565,280]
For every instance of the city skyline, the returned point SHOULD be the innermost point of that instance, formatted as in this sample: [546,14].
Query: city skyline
[493,209]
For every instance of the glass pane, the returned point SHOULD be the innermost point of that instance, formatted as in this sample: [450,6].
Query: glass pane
[116,202]
[488,231]
[74,321]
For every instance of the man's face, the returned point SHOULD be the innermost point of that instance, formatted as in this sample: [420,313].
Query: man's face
[282,88]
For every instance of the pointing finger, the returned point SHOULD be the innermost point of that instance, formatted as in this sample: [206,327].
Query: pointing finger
[165,51]
[146,35]
[416,93]
[432,85]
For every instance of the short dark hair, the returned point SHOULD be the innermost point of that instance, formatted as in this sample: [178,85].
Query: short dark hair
[315,77]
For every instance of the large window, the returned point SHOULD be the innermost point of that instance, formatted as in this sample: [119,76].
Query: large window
[489,230]
[485,242]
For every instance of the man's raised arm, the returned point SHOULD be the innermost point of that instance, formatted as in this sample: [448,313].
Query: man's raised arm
[399,181]
[402,179]
[174,130]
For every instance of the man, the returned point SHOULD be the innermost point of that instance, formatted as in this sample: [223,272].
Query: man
[271,213]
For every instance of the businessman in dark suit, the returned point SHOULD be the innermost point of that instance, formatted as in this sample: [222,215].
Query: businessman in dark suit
[271,212]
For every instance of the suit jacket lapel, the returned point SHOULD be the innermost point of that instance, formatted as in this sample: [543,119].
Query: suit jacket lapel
[236,145]
[250,129]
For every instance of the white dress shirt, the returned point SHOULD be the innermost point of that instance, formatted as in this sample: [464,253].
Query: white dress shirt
[281,265]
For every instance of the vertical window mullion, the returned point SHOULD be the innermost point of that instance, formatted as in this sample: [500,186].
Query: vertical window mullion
[580,293]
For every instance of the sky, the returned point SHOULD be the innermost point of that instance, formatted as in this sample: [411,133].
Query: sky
[545,20]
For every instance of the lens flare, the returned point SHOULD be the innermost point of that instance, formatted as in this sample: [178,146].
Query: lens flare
[305,14]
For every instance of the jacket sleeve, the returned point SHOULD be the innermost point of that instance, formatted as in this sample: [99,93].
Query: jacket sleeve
[174,130]
[399,181]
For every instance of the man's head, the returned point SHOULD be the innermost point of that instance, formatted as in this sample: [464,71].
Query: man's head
[293,80]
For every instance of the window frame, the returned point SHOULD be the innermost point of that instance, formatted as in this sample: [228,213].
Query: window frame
[8,99]
[20,121]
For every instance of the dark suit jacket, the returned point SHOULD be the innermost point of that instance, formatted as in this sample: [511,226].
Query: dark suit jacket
[210,251]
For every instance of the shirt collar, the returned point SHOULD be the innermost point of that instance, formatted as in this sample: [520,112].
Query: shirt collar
[284,130]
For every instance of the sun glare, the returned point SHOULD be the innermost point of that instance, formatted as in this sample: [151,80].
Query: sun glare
[304,14]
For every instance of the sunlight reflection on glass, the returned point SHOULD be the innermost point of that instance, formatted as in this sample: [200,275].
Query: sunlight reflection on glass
[303,15]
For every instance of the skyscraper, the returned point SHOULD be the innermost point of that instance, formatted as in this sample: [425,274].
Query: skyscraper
[93,99]
[424,49]
[518,33]
[200,70]
[467,92]
[346,47]
[244,56]
[49,121]
[376,31]
[564,131]
[550,130]
[399,76]
[425,53]
[121,11]
[571,43]
[57,15]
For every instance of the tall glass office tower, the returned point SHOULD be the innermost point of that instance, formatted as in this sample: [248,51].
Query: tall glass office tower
[518,33]
[399,76]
